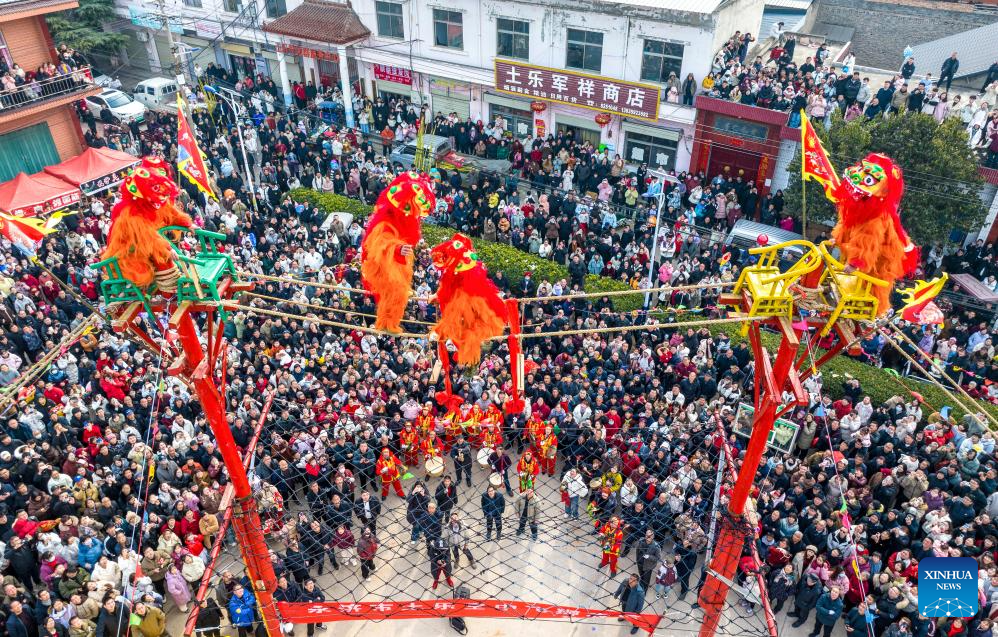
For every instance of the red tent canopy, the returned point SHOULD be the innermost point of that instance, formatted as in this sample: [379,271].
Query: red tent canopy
[95,169]
[30,195]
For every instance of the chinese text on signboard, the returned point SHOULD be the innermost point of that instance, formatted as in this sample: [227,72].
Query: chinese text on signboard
[568,87]
[393,74]
[305,52]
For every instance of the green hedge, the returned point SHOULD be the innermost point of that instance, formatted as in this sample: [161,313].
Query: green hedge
[496,256]
[879,384]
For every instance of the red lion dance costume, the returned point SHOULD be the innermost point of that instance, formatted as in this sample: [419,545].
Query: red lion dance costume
[471,311]
[869,231]
[146,205]
[387,250]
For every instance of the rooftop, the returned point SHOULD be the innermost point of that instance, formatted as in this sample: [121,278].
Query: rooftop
[688,6]
[13,9]
[320,21]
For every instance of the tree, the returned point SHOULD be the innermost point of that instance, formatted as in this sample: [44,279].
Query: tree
[940,171]
[82,28]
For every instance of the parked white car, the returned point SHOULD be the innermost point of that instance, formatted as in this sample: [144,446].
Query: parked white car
[121,105]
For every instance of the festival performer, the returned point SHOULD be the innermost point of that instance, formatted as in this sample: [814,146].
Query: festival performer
[491,435]
[869,232]
[535,432]
[471,419]
[409,444]
[452,427]
[387,250]
[426,421]
[431,447]
[611,537]
[471,310]
[146,206]
[527,470]
[390,470]
[548,450]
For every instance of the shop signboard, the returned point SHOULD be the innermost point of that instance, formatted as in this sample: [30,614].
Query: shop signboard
[395,74]
[627,99]
[782,436]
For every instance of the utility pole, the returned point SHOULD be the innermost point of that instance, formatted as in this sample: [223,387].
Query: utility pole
[175,66]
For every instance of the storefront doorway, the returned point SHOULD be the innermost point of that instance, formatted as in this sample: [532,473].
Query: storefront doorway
[730,161]
[243,66]
[580,134]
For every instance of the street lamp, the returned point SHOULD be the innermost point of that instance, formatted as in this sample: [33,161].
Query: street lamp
[662,176]
[237,109]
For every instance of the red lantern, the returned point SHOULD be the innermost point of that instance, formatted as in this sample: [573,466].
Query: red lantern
[602,119]
[538,106]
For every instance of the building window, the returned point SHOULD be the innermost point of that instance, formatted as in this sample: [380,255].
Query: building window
[740,128]
[275,8]
[654,151]
[519,122]
[232,6]
[448,29]
[390,19]
[585,50]
[193,3]
[512,39]
[661,59]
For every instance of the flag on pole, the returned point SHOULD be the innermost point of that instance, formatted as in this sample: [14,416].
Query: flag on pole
[25,232]
[190,161]
[920,307]
[814,160]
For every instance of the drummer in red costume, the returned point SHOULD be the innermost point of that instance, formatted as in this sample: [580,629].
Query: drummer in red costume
[390,470]
[611,537]
[431,447]
[535,431]
[527,470]
[409,444]
[471,421]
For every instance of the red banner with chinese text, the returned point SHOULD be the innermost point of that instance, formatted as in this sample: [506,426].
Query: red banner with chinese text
[304,613]
[814,160]
[395,74]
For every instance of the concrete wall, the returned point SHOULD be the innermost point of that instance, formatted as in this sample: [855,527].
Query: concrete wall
[883,28]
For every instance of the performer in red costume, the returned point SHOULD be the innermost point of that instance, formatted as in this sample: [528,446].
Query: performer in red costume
[146,205]
[869,231]
[409,444]
[527,470]
[611,537]
[390,470]
[387,250]
[471,310]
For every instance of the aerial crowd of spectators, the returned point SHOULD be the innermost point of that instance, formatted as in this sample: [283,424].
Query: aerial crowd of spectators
[878,485]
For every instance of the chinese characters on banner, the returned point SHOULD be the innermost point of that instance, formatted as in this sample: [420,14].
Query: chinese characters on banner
[587,91]
[305,52]
[306,613]
[101,184]
[55,203]
[395,74]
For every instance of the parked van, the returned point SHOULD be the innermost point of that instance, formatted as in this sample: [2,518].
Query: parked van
[745,235]
[157,93]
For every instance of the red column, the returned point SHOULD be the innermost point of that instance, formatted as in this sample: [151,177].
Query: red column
[245,518]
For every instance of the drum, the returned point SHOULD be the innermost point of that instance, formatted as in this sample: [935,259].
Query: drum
[483,456]
[435,466]
[552,453]
[495,480]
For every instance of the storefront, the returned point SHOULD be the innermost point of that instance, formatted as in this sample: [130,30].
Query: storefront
[519,118]
[450,96]
[582,129]
[242,62]
[393,82]
[656,146]
[738,140]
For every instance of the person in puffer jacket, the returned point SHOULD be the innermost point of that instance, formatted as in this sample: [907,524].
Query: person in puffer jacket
[242,610]
[90,551]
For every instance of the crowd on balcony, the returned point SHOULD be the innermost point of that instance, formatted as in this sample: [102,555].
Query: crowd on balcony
[822,87]
[19,86]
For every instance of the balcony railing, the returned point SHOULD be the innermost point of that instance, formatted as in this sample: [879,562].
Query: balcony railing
[35,92]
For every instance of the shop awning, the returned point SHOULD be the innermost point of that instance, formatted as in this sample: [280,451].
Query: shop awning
[319,21]
[31,195]
[95,170]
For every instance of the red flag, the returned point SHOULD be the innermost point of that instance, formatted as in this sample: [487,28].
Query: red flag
[190,161]
[23,231]
[919,307]
[814,160]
